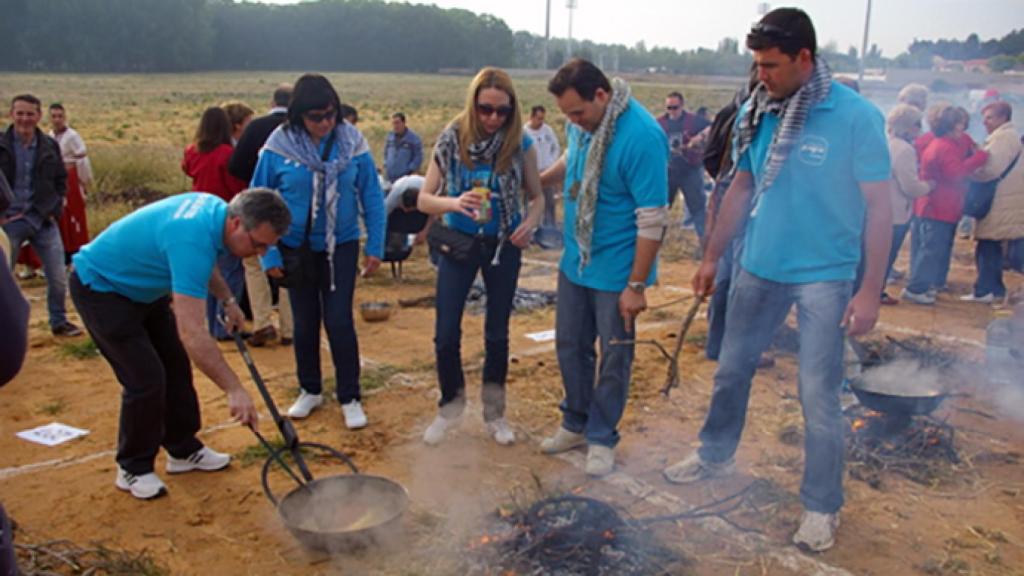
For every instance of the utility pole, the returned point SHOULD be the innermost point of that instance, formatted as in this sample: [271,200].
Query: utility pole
[571,5]
[864,46]
[547,35]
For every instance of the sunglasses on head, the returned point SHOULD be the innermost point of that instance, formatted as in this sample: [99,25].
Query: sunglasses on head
[318,117]
[769,30]
[487,110]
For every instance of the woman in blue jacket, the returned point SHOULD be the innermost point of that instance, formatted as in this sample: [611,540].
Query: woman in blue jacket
[482,163]
[322,167]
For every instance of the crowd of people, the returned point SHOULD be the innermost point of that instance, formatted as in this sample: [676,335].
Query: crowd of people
[813,192]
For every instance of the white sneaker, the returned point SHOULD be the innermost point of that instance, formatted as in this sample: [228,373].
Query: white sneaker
[437,429]
[305,404]
[501,431]
[986,299]
[817,531]
[926,299]
[562,441]
[600,460]
[204,459]
[355,418]
[143,486]
[693,468]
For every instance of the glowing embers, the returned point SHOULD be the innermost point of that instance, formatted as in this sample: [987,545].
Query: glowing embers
[570,535]
[920,448]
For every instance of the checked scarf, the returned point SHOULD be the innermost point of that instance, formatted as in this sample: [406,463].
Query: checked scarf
[792,113]
[295,145]
[483,153]
[585,192]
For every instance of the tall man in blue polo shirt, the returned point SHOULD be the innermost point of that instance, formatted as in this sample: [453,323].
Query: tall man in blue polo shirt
[615,174]
[124,284]
[813,176]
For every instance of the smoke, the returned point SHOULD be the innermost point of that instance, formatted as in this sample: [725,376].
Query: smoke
[903,377]
[1004,369]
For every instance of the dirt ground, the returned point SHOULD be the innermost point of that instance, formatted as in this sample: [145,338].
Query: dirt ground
[969,520]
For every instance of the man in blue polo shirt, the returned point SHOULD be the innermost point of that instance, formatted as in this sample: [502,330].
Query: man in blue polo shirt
[124,284]
[813,175]
[615,175]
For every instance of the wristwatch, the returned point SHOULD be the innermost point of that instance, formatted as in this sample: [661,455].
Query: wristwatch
[231,301]
[637,287]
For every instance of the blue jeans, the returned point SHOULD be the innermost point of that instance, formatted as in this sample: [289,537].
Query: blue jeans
[988,257]
[46,240]
[899,234]
[454,279]
[595,397]
[230,267]
[757,307]
[932,249]
[316,304]
[691,182]
[727,268]
[1015,255]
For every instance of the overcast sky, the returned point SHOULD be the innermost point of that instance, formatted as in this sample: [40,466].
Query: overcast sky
[688,24]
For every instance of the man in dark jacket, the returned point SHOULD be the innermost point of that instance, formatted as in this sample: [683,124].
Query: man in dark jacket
[32,163]
[242,165]
[243,159]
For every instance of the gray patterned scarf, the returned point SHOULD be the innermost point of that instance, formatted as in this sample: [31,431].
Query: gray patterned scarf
[483,153]
[792,113]
[585,192]
[296,146]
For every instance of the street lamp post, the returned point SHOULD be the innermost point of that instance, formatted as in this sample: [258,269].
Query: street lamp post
[864,45]
[571,5]
[547,34]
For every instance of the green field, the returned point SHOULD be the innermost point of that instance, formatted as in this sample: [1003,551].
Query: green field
[136,126]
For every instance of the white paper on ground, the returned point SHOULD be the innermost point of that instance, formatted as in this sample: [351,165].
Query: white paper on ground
[52,434]
[545,336]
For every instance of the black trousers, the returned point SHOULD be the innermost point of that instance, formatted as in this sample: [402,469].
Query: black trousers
[159,406]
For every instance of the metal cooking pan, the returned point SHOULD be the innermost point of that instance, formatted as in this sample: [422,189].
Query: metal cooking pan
[339,513]
[907,395]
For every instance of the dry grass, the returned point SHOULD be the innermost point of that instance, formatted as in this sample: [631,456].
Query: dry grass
[138,125]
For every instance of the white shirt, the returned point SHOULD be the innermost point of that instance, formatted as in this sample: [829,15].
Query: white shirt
[546,143]
[72,150]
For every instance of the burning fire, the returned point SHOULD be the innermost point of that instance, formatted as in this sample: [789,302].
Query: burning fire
[858,423]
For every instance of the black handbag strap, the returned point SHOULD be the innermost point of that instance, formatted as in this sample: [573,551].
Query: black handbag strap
[1010,167]
[309,213]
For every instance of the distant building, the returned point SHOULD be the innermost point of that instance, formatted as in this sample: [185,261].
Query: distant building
[940,64]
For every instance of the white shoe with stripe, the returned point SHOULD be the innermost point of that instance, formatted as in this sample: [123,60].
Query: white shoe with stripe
[203,459]
[143,486]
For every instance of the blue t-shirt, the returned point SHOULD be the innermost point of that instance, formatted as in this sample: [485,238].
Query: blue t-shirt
[808,226]
[359,193]
[168,246]
[482,176]
[635,175]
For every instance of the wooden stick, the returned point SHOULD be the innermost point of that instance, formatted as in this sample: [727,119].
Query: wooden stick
[672,380]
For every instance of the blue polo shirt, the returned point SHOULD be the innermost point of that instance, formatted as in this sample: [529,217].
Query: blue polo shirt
[635,175]
[808,225]
[484,176]
[170,246]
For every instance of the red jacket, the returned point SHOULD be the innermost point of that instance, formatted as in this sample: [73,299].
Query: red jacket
[209,171]
[943,161]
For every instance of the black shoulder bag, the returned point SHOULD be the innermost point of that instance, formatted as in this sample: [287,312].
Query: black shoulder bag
[299,264]
[452,243]
[980,195]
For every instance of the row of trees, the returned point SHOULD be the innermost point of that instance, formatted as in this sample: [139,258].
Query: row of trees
[180,35]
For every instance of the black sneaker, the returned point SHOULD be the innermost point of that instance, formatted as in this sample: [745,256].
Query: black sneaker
[66,329]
